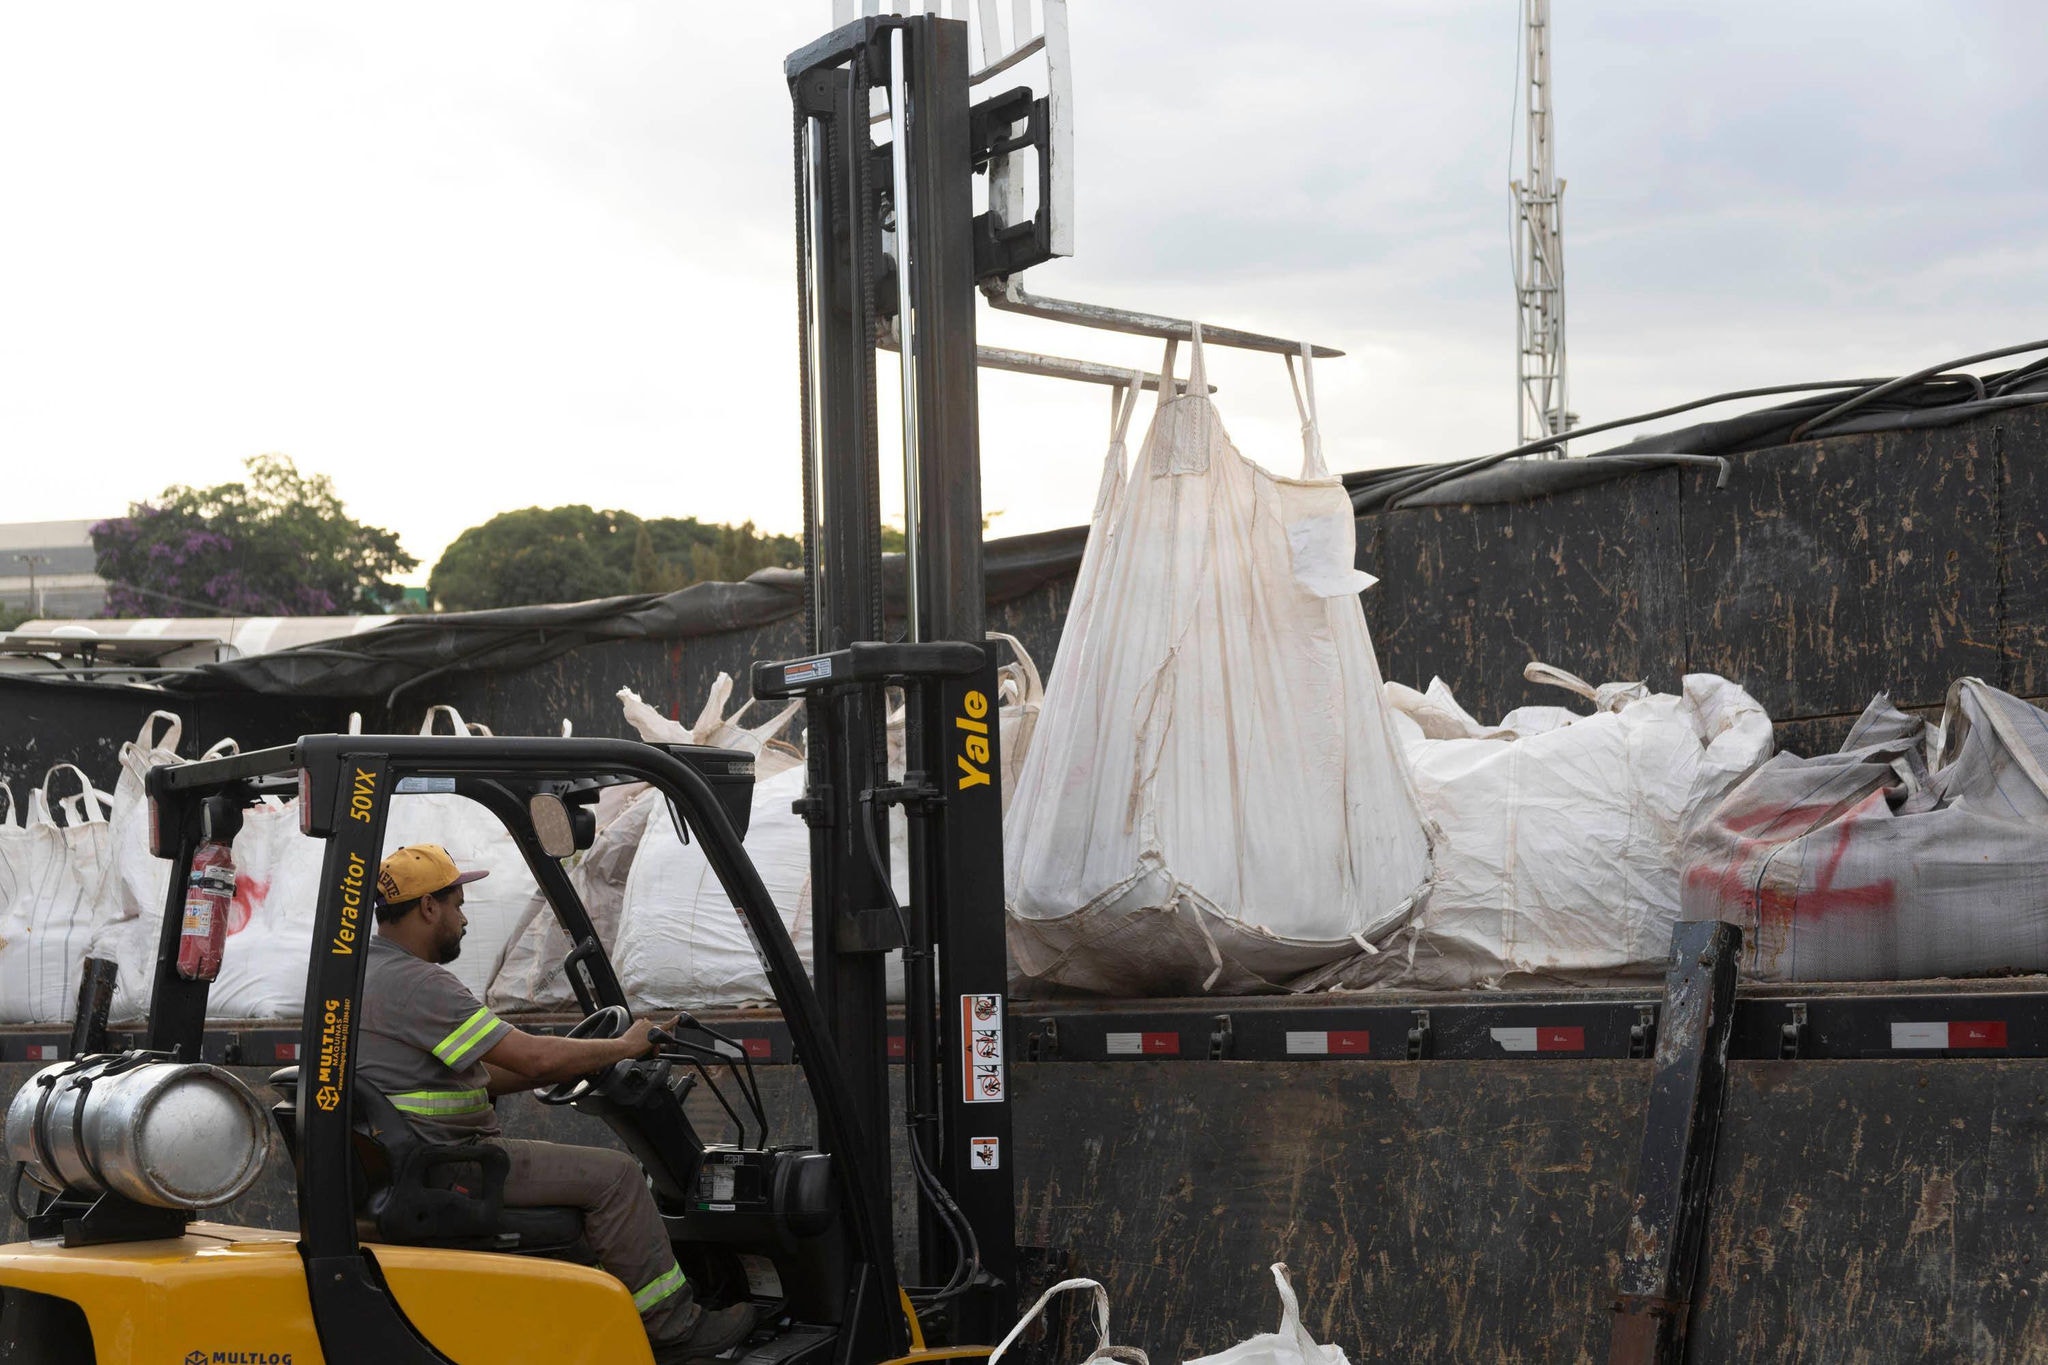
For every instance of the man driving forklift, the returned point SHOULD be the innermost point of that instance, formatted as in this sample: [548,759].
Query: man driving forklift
[441,1057]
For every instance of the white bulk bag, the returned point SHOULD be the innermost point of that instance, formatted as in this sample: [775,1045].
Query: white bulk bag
[532,976]
[270,923]
[46,930]
[1021,698]
[141,879]
[1290,1345]
[1212,799]
[126,933]
[15,841]
[713,727]
[1105,1351]
[1558,836]
[682,944]
[1867,865]
[494,906]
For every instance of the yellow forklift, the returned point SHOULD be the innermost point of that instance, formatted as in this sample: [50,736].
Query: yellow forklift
[404,1253]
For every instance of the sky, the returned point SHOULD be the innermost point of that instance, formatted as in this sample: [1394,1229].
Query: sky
[470,257]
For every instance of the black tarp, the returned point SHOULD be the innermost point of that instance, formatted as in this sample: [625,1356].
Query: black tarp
[416,649]
[1936,402]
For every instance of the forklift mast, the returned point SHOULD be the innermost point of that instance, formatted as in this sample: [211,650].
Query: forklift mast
[888,242]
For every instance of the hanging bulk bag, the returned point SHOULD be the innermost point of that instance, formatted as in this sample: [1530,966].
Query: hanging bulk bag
[1212,800]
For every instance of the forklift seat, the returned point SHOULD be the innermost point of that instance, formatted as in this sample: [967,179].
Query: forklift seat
[417,1192]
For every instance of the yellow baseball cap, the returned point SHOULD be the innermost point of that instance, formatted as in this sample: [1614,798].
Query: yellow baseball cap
[419,870]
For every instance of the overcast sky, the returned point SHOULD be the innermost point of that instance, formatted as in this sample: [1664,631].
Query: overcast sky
[472,257]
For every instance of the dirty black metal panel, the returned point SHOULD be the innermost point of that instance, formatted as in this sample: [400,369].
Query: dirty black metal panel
[2017,441]
[1381,598]
[673,676]
[46,723]
[1828,571]
[1878,1211]
[1455,1212]
[1472,1212]
[1589,581]
[1036,618]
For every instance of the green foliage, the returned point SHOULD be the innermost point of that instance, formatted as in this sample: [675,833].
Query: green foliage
[537,554]
[571,554]
[277,543]
[11,617]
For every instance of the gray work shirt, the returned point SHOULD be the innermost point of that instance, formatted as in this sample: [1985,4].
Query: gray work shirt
[421,1043]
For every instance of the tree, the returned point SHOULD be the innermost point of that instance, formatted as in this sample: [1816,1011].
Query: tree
[571,554]
[536,554]
[277,543]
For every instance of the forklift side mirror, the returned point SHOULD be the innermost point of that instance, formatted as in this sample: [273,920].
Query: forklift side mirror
[552,824]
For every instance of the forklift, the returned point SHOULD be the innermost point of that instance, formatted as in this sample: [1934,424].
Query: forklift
[404,1253]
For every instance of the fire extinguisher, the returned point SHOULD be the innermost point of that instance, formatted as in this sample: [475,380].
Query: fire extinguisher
[207,893]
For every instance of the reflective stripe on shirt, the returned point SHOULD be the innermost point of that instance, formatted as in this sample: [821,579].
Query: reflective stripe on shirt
[441,1103]
[456,1047]
[658,1288]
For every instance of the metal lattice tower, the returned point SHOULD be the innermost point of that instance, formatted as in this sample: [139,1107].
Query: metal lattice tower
[1539,251]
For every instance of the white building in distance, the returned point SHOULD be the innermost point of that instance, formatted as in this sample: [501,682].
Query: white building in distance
[46,567]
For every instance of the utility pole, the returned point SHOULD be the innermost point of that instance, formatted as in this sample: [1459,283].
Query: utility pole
[1539,252]
[35,596]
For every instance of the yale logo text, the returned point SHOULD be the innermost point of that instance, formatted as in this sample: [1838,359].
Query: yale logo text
[973,760]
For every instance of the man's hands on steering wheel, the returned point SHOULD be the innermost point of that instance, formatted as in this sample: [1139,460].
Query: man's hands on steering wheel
[571,1064]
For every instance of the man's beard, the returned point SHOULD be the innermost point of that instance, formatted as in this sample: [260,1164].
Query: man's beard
[451,948]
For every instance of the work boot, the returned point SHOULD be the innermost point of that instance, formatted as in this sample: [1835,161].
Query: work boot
[714,1334]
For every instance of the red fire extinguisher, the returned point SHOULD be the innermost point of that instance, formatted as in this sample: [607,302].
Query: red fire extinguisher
[207,893]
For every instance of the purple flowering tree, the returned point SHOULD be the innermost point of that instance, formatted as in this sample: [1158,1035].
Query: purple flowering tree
[278,543]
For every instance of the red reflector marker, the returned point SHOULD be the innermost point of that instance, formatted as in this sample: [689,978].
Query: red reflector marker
[757,1047]
[1938,1035]
[1142,1044]
[1336,1042]
[1547,1039]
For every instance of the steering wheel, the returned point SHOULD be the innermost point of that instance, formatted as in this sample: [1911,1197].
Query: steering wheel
[609,1022]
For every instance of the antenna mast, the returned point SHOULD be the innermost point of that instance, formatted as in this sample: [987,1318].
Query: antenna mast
[1539,252]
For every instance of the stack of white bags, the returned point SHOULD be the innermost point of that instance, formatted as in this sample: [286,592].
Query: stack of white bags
[55,865]
[77,879]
